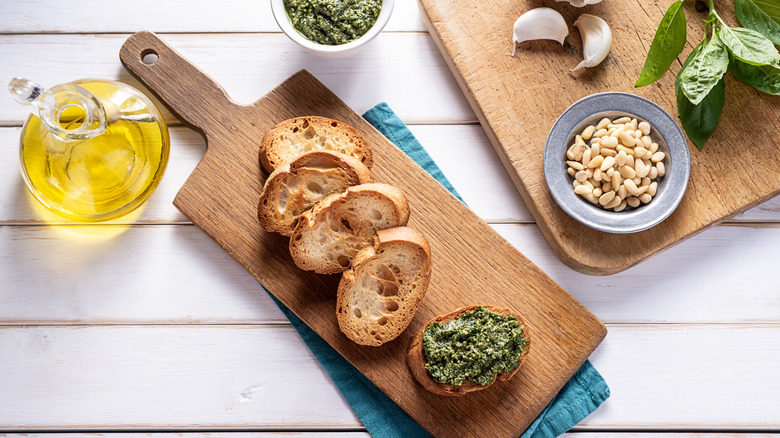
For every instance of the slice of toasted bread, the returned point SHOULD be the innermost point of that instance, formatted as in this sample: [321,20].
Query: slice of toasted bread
[329,235]
[293,137]
[415,358]
[296,186]
[380,293]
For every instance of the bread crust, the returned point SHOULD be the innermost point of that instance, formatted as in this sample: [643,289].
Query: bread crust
[312,218]
[394,311]
[415,358]
[274,154]
[354,171]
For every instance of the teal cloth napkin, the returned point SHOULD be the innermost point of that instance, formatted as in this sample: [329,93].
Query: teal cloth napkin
[581,395]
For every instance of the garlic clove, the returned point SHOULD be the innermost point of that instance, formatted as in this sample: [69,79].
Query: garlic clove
[539,24]
[580,3]
[596,40]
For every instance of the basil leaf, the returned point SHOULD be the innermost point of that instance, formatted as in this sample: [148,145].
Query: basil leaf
[699,121]
[668,42]
[749,46]
[760,15]
[761,77]
[705,69]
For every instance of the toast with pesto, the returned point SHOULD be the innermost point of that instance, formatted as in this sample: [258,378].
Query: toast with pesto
[296,186]
[381,291]
[293,137]
[492,343]
[329,235]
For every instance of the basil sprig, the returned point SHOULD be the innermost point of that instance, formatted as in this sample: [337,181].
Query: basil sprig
[749,53]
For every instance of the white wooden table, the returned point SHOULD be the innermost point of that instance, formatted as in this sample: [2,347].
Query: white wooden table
[148,326]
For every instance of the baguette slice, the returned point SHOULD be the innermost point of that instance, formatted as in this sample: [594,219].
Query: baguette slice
[329,235]
[415,358]
[379,295]
[296,186]
[293,137]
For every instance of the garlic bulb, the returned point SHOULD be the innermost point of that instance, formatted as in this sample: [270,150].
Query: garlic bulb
[539,24]
[596,40]
[580,3]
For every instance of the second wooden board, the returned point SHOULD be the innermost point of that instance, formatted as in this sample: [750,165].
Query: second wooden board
[517,100]
[472,263]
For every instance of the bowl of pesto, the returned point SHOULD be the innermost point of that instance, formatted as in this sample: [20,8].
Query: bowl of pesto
[332,27]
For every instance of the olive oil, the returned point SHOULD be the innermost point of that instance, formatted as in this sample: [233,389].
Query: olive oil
[105,176]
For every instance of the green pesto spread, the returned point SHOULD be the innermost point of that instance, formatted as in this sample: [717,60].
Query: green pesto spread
[474,347]
[333,22]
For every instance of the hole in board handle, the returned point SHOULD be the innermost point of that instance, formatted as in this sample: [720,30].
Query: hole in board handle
[149,56]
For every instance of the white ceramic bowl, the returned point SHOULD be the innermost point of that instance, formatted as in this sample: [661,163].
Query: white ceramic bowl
[668,135]
[280,14]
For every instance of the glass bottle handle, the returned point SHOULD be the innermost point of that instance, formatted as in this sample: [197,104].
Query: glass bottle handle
[68,111]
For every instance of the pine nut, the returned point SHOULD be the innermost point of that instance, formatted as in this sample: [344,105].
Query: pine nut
[646,141]
[630,161]
[597,174]
[571,172]
[570,153]
[580,176]
[609,142]
[620,207]
[578,140]
[653,173]
[652,189]
[606,186]
[606,152]
[613,203]
[630,186]
[633,202]
[621,120]
[595,161]
[653,147]
[583,190]
[588,184]
[645,198]
[600,133]
[622,191]
[606,198]
[588,132]
[589,172]
[621,158]
[644,127]
[618,132]
[586,157]
[628,151]
[603,123]
[576,165]
[597,192]
[641,169]
[610,172]
[661,168]
[595,149]
[617,180]
[627,172]
[607,163]
[646,181]
[658,156]
[592,199]
[634,123]
[628,139]
[639,151]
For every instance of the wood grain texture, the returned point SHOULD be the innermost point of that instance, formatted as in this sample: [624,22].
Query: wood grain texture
[472,263]
[518,99]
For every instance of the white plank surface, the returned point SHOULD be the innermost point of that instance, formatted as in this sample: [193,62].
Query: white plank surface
[153,327]
[168,274]
[180,16]
[462,151]
[404,69]
[215,377]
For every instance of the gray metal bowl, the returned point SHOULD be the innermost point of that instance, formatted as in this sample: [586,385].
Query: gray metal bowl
[666,132]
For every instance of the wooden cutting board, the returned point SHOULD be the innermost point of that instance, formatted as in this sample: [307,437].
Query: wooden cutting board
[518,99]
[472,264]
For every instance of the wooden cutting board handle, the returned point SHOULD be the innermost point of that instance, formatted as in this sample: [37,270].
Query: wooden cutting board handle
[191,95]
